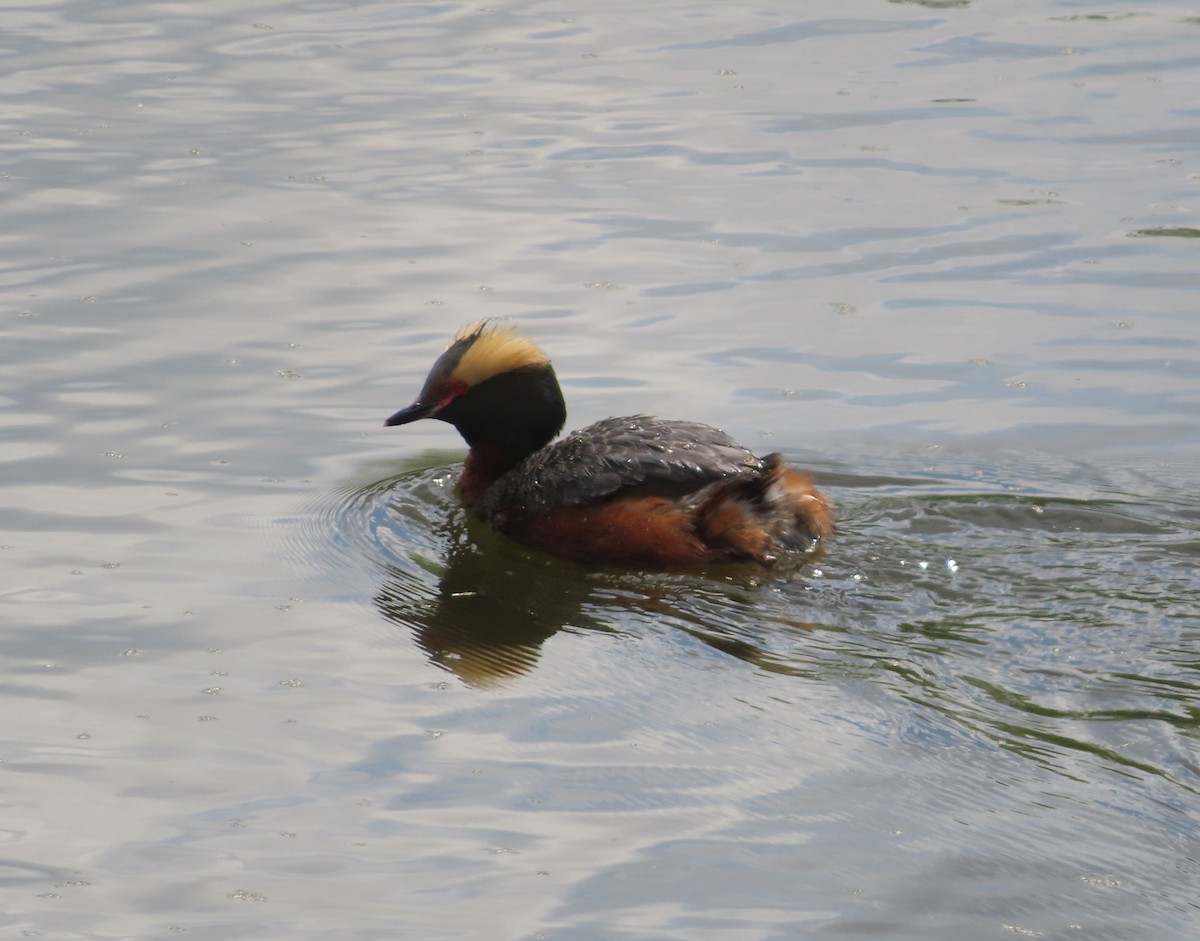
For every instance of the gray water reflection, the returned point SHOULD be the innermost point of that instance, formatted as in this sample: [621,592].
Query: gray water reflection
[261,673]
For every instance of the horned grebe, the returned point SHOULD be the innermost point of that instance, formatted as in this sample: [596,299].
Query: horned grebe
[636,490]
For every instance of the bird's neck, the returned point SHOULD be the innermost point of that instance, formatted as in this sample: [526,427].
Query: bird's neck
[504,420]
[485,464]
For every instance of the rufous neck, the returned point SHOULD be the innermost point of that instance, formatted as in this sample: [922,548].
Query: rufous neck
[484,465]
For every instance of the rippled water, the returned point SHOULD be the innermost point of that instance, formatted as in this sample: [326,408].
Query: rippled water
[262,674]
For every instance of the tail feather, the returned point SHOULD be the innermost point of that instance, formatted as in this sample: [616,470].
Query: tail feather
[758,518]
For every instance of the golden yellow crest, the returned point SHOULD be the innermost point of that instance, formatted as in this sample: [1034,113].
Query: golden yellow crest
[496,349]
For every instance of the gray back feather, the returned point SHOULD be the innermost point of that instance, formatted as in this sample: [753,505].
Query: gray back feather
[634,455]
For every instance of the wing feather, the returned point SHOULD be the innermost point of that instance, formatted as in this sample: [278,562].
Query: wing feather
[633,455]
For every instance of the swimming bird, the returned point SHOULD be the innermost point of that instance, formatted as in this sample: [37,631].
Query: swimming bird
[635,490]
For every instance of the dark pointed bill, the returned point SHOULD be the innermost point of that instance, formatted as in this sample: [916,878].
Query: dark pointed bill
[414,412]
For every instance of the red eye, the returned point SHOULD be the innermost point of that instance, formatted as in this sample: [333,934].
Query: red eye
[457,388]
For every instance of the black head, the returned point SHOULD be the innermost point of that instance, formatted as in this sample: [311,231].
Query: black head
[496,388]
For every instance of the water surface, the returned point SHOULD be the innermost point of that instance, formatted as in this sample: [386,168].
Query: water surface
[262,674]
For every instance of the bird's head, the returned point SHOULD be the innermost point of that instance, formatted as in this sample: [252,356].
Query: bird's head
[496,387]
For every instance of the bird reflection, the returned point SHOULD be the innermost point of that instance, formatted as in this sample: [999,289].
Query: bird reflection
[494,606]
[485,607]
